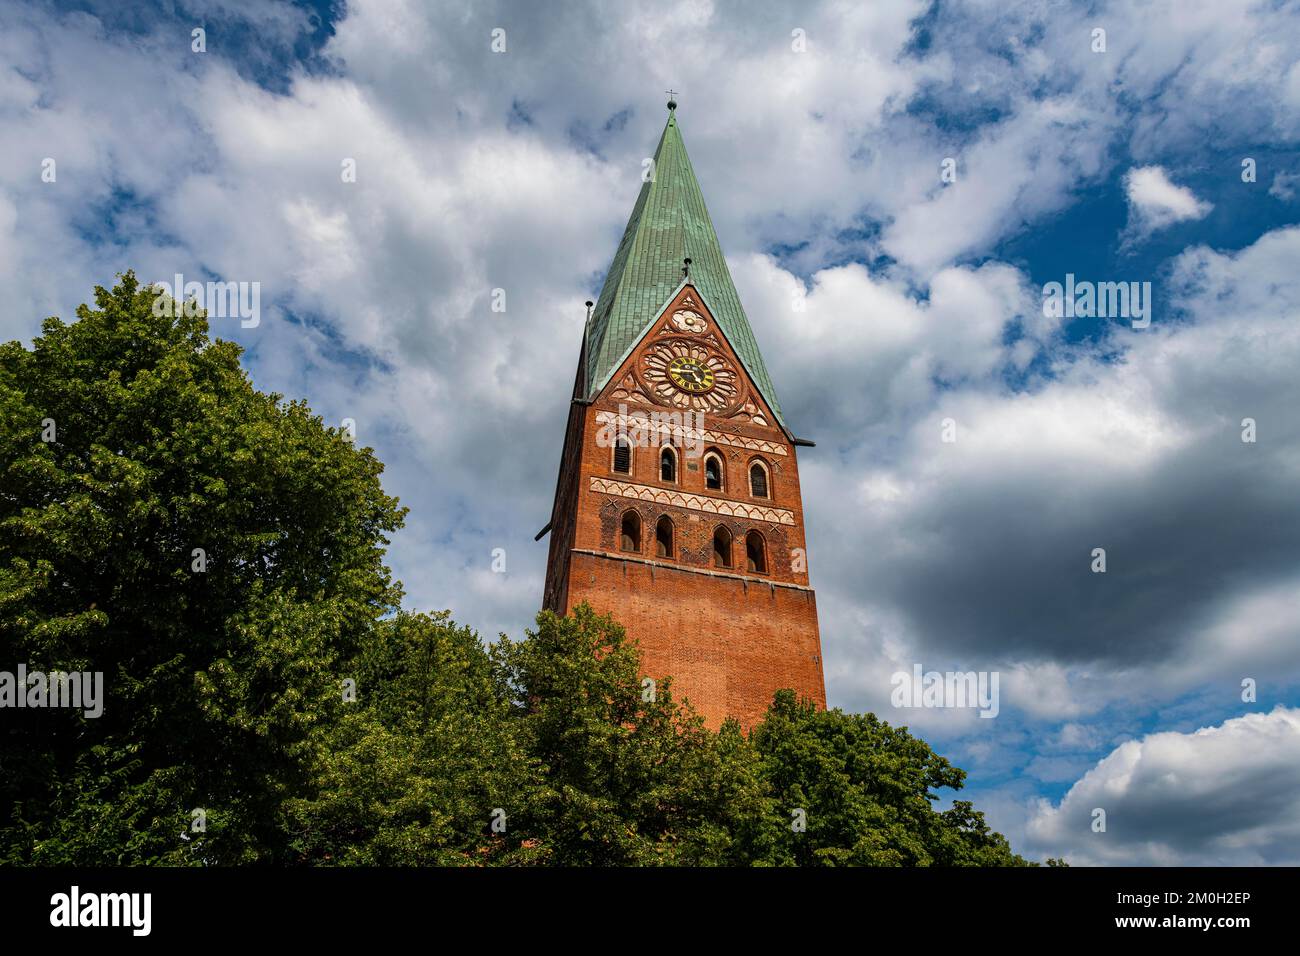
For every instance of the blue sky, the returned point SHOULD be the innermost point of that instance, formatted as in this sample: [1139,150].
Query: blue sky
[818,133]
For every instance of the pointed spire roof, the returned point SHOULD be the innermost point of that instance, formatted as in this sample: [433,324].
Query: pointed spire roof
[669,223]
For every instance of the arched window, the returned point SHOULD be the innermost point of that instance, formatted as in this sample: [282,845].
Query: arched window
[755,553]
[631,533]
[758,480]
[713,471]
[664,537]
[623,456]
[722,548]
[668,464]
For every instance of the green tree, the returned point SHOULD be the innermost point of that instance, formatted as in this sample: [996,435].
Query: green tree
[215,551]
[417,770]
[866,792]
[629,776]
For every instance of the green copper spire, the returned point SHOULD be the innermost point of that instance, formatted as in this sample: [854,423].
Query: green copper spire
[668,225]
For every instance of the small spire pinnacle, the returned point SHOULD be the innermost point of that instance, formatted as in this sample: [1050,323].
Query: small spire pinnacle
[672,99]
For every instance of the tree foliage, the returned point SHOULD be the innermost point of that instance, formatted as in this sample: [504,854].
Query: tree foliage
[218,553]
[214,551]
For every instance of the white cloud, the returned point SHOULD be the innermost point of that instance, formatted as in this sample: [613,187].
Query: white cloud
[971,555]
[978,553]
[1223,796]
[396,272]
[1014,172]
[1284,186]
[1155,202]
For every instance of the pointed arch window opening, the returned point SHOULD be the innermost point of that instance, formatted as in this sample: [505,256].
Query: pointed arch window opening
[664,537]
[668,465]
[630,532]
[714,475]
[755,553]
[721,548]
[623,456]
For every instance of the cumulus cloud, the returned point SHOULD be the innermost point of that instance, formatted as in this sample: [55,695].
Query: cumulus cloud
[1284,186]
[1226,796]
[390,280]
[982,549]
[1155,202]
[874,287]
[382,291]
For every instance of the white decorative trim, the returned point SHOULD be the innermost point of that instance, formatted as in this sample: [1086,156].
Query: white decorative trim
[707,435]
[674,566]
[680,499]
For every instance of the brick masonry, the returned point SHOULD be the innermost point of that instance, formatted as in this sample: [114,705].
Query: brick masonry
[729,638]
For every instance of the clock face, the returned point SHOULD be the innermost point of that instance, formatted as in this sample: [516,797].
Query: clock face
[689,375]
[682,373]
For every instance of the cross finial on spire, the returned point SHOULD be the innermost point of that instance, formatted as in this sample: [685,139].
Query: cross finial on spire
[672,99]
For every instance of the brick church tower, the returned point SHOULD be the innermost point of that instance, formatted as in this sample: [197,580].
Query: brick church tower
[677,507]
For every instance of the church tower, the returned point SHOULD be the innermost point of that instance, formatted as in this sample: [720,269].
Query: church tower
[677,507]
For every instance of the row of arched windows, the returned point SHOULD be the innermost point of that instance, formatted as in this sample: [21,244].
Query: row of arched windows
[715,469]
[665,545]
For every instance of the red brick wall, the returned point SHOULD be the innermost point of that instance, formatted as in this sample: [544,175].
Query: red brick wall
[730,638]
[729,643]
